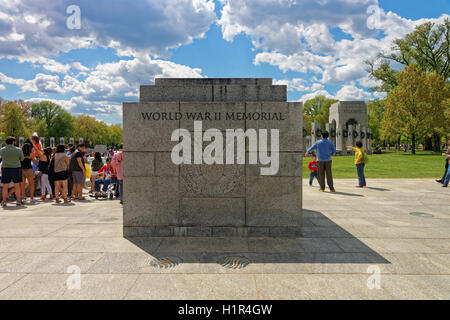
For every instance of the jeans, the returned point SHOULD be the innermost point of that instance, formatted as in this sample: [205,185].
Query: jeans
[312,175]
[361,177]
[447,176]
[105,182]
[121,189]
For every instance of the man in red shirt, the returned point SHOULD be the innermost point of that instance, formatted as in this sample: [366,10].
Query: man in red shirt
[105,176]
[312,166]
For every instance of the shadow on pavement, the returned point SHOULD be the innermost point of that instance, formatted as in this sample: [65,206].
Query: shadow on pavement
[378,189]
[347,194]
[322,241]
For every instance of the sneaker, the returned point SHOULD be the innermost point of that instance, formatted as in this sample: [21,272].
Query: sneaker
[332,190]
[445,185]
[3,204]
[321,190]
[359,186]
[32,201]
[440,181]
[23,201]
[19,203]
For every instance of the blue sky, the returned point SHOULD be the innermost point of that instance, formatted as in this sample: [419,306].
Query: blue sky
[315,47]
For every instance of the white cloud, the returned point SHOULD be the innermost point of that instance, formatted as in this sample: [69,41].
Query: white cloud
[31,29]
[116,80]
[43,83]
[315,94]
[295,35]
[299,84]
[66,104]
[352,93]
[2,87]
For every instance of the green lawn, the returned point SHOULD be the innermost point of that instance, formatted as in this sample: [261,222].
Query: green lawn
[389,165]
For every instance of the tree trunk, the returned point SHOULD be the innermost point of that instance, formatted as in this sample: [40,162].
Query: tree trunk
[436,142]
[428,144]
[413,143]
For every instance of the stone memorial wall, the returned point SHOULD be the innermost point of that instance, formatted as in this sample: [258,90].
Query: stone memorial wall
[212,157]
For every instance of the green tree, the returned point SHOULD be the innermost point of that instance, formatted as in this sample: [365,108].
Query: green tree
[46,111]
[407,106]
[318,109]
[428,46]
[13,121]
[375,112]
[86,127]
[62,125]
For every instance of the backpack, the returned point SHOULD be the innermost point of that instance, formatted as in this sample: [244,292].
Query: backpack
[365,157]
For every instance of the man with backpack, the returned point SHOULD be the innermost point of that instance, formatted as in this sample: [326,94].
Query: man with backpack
[361,160]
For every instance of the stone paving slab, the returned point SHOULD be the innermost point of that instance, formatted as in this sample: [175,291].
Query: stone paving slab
[344,237]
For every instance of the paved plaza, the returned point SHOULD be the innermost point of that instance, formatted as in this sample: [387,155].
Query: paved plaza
[348,237]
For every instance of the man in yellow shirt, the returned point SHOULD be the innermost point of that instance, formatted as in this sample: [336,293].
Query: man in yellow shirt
[359,162]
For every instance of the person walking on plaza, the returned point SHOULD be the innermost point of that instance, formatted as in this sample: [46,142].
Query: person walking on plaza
[312,166]
[11,170]
[360,162]
[447,175]
[78,169]
[44,163]
[27,171]
[118,166]
[96,165]
[61,174]
[325,149]
[110,154]
[447,161]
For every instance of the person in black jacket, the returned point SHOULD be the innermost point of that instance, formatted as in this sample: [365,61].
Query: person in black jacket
[447,161]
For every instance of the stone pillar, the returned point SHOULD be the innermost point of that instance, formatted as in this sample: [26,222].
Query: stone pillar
[308,142]
[350,136]
[42,141]
[71,140]
[316,132]
[357,135]
[61,140]
[331,128]
[339,138]
[369,140]
[52,142]
[21,141]
[364,137]
[80,140]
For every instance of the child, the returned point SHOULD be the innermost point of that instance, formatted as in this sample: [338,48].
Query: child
[360,163]
[312,166]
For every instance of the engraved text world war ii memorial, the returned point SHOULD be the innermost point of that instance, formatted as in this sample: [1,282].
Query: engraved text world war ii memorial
[212,157]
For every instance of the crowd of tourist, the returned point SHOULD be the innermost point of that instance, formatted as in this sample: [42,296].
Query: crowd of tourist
[61,172]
